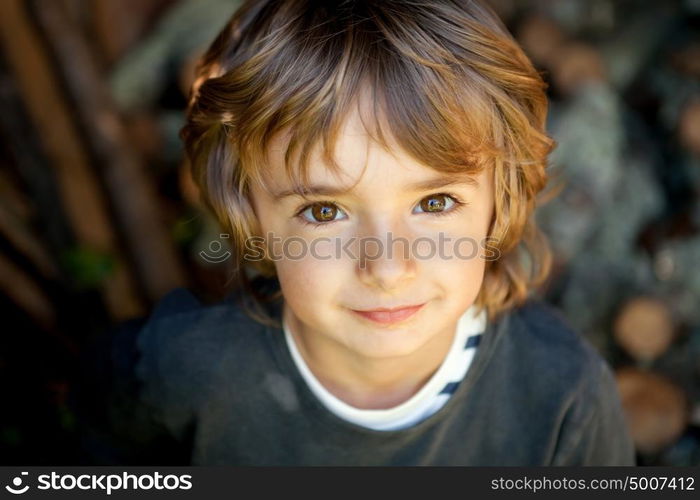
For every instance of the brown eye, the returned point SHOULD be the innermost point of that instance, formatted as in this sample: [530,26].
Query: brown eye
[434,203]
[439,204]
[321,212]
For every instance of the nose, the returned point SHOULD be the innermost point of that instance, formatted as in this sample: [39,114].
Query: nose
[385,257]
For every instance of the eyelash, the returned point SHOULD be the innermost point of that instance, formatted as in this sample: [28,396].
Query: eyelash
[458,205]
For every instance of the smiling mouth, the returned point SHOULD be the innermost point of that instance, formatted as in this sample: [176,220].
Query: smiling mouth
[387,316]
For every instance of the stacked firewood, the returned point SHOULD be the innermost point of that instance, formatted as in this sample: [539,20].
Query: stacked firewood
[93,227]
[625,224]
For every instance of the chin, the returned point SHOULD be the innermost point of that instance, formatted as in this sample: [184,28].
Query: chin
[388,343]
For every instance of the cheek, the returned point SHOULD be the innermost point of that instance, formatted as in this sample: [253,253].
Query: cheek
[461,283]
[458,266]
[457,245]
[297,276]
[309,283]
[462,268]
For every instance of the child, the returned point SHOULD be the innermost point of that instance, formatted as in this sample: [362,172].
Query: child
[376,164]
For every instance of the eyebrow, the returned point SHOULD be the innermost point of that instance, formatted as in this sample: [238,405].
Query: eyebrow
[426,185]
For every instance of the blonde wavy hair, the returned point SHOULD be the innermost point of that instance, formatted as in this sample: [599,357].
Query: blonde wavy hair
[453,87]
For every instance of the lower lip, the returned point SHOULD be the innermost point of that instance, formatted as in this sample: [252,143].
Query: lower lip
[389,317]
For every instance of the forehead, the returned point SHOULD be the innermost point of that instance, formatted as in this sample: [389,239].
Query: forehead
[362,161]
[352,152]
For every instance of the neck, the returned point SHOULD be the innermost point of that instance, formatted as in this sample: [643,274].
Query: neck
[368,383]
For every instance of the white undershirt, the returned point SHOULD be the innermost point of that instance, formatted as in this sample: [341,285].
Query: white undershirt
[429,399]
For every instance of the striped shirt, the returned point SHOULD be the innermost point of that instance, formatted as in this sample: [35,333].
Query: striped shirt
[424,403]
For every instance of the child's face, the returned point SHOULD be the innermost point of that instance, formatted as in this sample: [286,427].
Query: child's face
[324,287]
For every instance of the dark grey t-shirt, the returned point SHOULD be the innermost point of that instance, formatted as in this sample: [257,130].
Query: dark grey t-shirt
[207,385]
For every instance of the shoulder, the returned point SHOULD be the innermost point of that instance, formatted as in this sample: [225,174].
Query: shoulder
[550,345]
[180,320]
[559,369]
[184,347]
[552,362]
[541,322]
